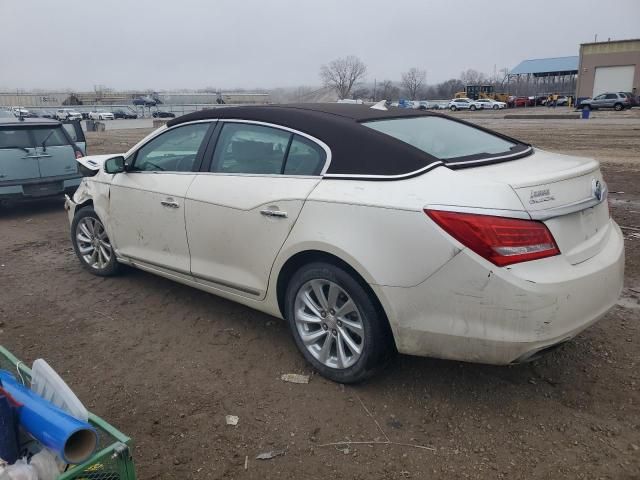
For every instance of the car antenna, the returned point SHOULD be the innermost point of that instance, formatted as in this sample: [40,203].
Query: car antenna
[381,105]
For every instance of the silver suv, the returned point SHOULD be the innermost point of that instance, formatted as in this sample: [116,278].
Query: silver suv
[617,101]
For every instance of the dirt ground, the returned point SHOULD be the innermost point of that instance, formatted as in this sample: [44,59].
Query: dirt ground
[165,363]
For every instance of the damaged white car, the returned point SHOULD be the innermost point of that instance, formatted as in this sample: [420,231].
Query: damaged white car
[370,231]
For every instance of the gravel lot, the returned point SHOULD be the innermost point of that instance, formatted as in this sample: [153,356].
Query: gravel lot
[165,363]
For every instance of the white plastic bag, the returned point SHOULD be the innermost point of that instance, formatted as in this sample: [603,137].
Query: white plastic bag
[19,471]
[45,464]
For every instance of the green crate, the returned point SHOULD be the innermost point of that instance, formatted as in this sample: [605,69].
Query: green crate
[112,460]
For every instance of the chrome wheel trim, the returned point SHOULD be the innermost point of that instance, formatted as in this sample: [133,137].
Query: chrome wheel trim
[329,323]
[93,244]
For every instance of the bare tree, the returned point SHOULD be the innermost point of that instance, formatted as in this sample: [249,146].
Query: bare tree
[412,82]
[473,77]
[388,91]
[342,74]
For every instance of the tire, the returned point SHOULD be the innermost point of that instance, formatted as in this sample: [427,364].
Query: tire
[453,108]
[363,327]
[495,107]
[617,107]
[586,107]
[85,238]
[472,108]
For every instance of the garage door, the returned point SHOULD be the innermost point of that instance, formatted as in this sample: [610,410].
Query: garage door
[613,79]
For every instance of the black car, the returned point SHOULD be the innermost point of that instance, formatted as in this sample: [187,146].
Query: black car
[161,114]
[124,113]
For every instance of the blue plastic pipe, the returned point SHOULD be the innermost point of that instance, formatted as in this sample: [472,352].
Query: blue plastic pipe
[73,440]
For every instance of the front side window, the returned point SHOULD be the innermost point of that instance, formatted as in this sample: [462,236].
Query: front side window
[443,138]
[252,149]
[173,151]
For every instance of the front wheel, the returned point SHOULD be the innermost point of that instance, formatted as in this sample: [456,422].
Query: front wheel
[335,323]
[92,245]
[495,107]
[453,108]
[472,108]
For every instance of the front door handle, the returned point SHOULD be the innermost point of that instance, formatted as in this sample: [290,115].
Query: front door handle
[169,203]
[273,213]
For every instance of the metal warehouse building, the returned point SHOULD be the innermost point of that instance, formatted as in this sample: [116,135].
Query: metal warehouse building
[612,66]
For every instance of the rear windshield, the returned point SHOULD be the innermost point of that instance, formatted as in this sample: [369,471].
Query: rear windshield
[32,137]
[444,139]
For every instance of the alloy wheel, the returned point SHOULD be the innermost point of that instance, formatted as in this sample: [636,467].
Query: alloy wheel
[329,323]
[93,243]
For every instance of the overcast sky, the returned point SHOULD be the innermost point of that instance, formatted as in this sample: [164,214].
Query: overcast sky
[161,44]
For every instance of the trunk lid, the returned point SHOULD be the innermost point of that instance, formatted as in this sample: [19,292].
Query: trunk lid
[566,192]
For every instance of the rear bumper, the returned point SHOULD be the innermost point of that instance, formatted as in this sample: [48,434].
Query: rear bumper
[473,311]
[42,187]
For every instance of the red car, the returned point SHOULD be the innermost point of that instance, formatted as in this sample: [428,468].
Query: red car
[520,102]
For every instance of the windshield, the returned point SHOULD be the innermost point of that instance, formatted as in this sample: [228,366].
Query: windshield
[442,138]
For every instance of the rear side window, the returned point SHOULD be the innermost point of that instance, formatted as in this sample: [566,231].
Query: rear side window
[610,96]
[305,157]
[442,138]
[75,131]
[246,148]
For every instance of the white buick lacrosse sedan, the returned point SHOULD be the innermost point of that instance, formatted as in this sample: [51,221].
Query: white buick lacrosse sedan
[369,230]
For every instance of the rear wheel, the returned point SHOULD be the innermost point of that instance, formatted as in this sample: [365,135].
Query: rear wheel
[617,107]
[335,323]
[586,107]
[92,245]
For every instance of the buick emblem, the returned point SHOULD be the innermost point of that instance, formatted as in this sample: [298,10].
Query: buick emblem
[596,189]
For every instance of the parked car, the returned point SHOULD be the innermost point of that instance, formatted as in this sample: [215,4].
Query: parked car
[146,101]
[464,104]
[490,104]
[101,115]
[617,101]
[68,114]
[42,113]
[6,113]
[20,112]
[633,100]
[124,113]
[37,158]
[562,101]
[163,114]
[515,102]
[469,245]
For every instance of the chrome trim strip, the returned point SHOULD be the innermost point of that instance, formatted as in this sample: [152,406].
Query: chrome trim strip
[571,207]
[384,177]
[230,285]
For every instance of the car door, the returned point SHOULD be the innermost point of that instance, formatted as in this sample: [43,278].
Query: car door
[146,208]
[241,209]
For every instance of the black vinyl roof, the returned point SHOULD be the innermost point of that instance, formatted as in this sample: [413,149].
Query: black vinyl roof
[357,151]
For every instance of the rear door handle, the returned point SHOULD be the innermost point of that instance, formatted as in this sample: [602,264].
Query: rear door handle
[273,213]
[169,203]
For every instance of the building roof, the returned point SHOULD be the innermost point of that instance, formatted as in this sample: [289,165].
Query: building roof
[547,66]
[357,151]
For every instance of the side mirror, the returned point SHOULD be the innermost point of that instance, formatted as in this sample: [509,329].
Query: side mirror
[115,165]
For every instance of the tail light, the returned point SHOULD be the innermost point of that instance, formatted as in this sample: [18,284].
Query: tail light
[502,241]
[79,154]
